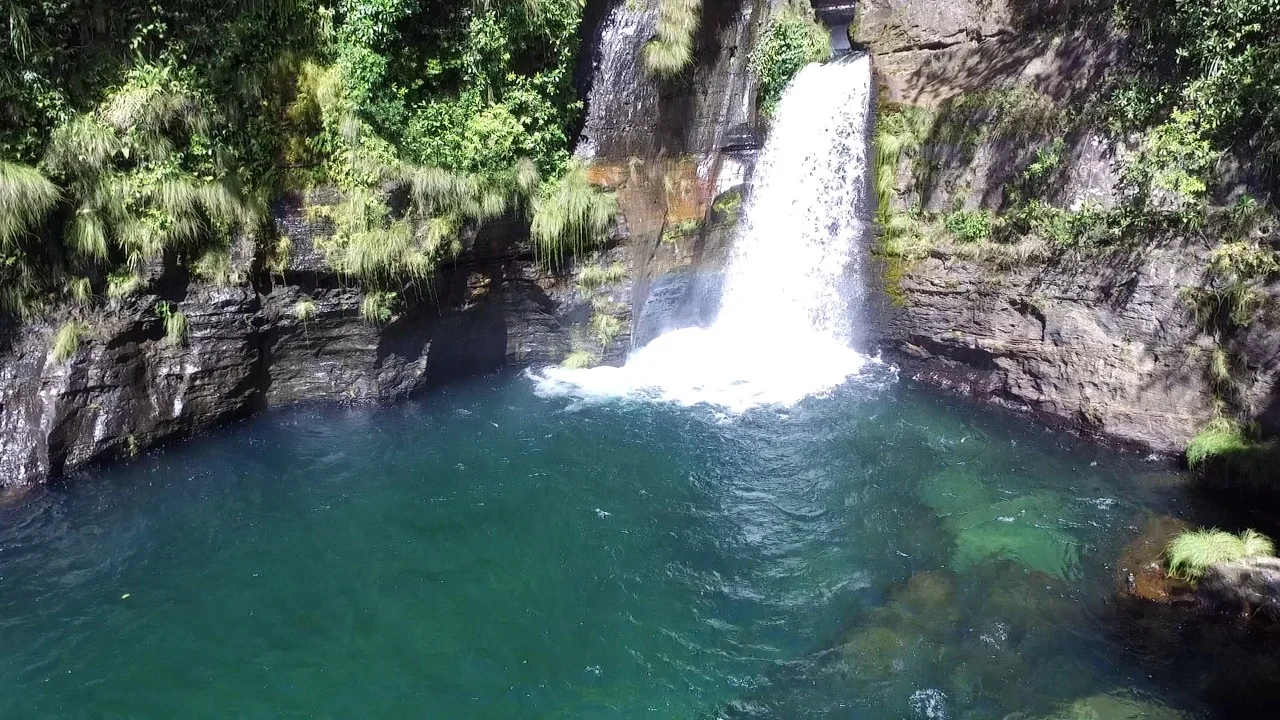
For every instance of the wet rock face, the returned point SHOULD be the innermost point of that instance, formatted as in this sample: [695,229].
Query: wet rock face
[670,148]
[1099,340]
[128,387]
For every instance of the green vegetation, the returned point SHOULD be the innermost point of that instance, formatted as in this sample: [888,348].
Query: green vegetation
[1191,553]
[1226,454]
[682,229]
[67,341]
[900,130]
[794,38]
[591,276]
[606,327]
[1221,438]
[378,306]
[671,49]
[305,310]
[580,359]
[122,283]
[1213,68]
[175,322]
[968,225]
[727,207]
[570,216]
[166,126]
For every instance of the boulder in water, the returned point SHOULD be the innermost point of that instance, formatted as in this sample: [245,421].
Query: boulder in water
[1250,587]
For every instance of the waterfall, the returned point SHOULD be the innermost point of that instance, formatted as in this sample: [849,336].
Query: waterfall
[787,316]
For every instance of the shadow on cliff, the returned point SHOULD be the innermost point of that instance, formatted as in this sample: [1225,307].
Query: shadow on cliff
[679,128]
[1068,56]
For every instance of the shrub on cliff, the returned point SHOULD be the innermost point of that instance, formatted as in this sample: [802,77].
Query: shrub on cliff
[160,136]
[1191,553]
[793,39]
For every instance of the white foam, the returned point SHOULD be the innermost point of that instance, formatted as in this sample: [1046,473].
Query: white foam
[786,323]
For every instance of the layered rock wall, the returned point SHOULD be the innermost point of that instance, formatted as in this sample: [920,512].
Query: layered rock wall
[1101,338]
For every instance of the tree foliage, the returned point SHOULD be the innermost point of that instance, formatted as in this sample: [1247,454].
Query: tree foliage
[146,128]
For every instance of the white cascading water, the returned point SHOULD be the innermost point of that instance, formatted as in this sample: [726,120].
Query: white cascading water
[785,323]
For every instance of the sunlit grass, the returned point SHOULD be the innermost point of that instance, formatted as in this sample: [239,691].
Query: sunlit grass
[1191,553]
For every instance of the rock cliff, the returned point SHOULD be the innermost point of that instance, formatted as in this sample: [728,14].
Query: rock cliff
[249,345]
[1104,338]
[669,148]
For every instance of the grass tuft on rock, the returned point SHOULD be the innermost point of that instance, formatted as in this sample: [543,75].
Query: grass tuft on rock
[570,215]
[67,341]
[1191,553]
[671,49]
[378,307]
[175,322]
[304,310]
[591,277]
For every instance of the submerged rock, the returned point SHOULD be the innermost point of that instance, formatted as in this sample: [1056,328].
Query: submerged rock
[1113,706]
[1141,572]
[988,527]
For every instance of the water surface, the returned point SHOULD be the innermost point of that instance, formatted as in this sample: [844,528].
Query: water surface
[486,553]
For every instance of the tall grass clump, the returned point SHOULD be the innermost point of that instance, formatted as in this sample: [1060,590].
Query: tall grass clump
[606,327]
[122,283]
[671,49]
[591,277]
[570,215]
[67,341]
[900,130]
[794,38]
[175,322]
[378,306]
[305,310]
[1191,553]
[26,197]
[1220,439]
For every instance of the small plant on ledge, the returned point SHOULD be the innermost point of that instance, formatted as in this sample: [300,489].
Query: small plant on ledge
[175,322]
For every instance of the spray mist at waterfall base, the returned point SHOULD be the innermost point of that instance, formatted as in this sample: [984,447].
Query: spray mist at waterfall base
[703,365]
[786,321]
